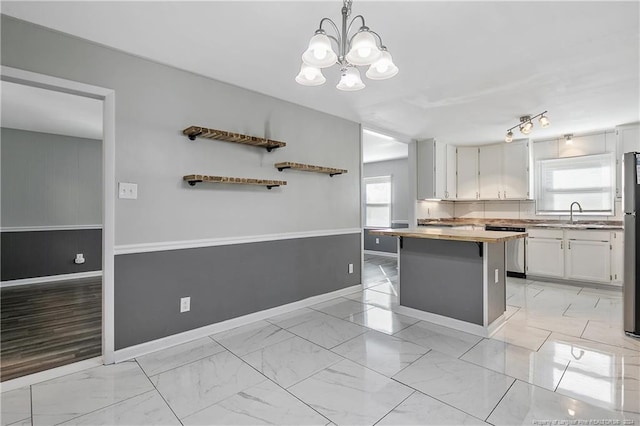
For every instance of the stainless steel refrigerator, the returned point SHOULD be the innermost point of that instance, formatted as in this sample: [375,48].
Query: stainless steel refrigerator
[631,203]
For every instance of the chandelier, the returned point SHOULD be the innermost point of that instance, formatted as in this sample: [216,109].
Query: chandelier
[526,125]
[363,47]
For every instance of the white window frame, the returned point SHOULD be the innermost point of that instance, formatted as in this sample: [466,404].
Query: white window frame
[379,179]
[610,187]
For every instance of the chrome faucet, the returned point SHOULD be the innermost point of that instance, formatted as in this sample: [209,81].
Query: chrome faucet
[571,211]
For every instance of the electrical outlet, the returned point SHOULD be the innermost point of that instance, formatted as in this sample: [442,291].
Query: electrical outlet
[497,277]
[351,268]
[185,304]
[128,190]
[377,240]
[79,260]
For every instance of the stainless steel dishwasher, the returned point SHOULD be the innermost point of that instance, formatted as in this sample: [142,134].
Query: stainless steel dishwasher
[516,256]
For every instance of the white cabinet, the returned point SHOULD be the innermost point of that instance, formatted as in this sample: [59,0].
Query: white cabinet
[590,144]
[577,255]
[450,192]
[515,171]
[588,260]
[545,257]
[490,172]
[467,168]
[617,257]
[627,140]
[432,168]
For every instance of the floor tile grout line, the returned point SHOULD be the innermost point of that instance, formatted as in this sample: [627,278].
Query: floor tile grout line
[584,329]
[474,345]
[561,377]
[177,366]
[160,393]
[396,406]
[439,400]
[269,379]
[503,395]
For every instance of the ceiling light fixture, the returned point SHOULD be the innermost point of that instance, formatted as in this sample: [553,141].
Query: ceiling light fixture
[526,125]
[363,47]
[568,139]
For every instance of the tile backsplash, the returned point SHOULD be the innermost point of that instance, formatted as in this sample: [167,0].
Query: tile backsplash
[495,209]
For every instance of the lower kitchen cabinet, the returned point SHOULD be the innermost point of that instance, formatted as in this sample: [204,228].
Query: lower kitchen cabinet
[545,257]
[617,257]
[576,255]
[588,260]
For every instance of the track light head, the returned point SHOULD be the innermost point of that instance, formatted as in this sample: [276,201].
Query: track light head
[509,137]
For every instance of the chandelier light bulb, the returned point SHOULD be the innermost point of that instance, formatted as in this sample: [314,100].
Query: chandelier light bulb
[509,137]
[383,68]
[310,76]
[364,50]
[319,54]
[544,121]
[350,80]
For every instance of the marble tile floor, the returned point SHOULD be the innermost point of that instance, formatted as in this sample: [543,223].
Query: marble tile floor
[354,361]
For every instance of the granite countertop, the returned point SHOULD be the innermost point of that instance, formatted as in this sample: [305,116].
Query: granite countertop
[525,223]
[451,234]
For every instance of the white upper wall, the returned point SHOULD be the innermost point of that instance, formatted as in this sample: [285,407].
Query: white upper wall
[154,103]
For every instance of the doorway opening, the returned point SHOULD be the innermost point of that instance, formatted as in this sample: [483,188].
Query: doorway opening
[57,152]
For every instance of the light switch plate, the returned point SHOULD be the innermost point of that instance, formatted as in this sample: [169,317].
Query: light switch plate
[497,277]
[128,190]
[185,304]
[351,268]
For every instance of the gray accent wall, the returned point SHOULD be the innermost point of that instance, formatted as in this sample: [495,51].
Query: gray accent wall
[384,243]
[47,253]
[49,180]
[442,277]
[399,172]
[225,282]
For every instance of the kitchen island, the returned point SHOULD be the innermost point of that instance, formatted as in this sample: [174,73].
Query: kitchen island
[453,277]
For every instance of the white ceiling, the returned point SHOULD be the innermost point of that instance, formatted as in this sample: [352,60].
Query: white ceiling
[380,147]
[46,111]
[468,70]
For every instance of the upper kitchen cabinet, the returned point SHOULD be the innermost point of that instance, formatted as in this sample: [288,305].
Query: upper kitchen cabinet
[515,171]
[432,170]
[490,176]
[467,169]
[450,193]
[627,140]
[504,171]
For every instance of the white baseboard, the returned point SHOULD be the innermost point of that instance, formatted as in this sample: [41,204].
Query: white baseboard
[50,279]
[381,253]
[459,325]
[53,373]
[187,336]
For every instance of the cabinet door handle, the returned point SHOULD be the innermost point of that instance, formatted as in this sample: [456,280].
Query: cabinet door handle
[569,245]
[505,194]
[561,245]
[498,194]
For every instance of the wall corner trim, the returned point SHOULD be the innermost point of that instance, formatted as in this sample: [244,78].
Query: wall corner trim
[187,336]
[211,242]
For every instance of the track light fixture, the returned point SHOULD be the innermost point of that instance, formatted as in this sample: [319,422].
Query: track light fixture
[526,125]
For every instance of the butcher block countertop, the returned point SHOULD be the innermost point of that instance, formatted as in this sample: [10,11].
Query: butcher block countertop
[525,223]
[450,234]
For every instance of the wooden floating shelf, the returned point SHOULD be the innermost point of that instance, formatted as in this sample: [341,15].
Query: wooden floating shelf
[193,179]
[309,168]
[194,131]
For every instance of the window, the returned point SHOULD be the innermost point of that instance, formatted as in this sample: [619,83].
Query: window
[589,180]
[378,201]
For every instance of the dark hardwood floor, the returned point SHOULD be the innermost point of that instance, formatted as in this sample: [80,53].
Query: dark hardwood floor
[44,326]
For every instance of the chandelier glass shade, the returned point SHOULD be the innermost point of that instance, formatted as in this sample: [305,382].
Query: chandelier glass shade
[354,48]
